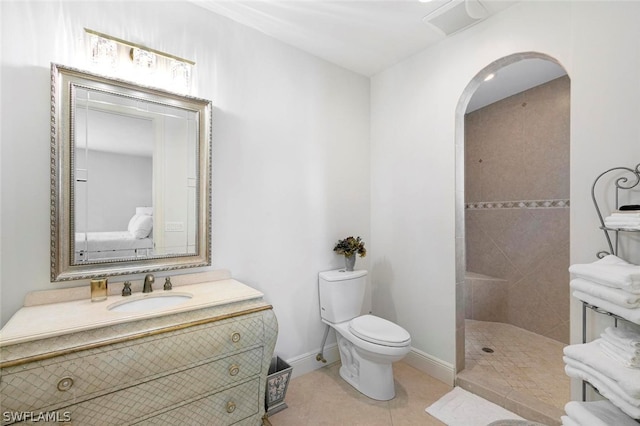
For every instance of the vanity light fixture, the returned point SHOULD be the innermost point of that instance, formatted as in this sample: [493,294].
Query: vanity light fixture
[143,58]
[130,61]
[181,73]
[104,52]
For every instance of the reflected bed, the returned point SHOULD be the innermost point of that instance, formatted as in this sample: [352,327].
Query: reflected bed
[92,246]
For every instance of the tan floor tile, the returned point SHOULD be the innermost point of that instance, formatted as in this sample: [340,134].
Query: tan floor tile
[520,362]
[322,397]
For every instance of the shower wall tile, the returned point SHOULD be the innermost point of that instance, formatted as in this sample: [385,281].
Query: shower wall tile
[520,145]
[495,221]
[461,295]
[489,301]
[535,267]
[460,350]
[485,298]
[472,155]
[553,270]
[483,254]
[499,126]
[529,309]
[532,235]
[505,144]
[522,240]
[518,149]
[460,260]
[546,132]
[560,333]
[468,300]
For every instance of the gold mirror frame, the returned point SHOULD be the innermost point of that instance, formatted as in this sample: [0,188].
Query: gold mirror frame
[63,268]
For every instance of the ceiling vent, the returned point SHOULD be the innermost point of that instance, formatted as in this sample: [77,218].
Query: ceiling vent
[456,15]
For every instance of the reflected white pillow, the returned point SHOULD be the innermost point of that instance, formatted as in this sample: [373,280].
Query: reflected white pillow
[144,210]
[140,225]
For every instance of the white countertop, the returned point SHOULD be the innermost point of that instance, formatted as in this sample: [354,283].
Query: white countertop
[55,319]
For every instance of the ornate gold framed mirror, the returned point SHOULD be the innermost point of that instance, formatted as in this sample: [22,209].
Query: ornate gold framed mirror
[130,177]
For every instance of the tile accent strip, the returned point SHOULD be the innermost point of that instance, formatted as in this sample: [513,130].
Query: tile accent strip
[522,204]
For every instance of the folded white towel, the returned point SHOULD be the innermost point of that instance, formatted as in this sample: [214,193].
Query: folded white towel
[604,389]
[610,271]
[630,314]
[626,213]
[613,295]
[603,380]
[591,354]
[620,222]
[597,413]
[630,220]
[620,346]
[622,225]
[625,335]
[630,361]
[627,218]
[567,421]
[623,218]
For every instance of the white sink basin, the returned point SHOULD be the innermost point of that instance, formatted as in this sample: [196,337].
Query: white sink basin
[150,302]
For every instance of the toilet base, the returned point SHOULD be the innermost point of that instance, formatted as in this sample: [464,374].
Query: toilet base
[379,392]
[371,378]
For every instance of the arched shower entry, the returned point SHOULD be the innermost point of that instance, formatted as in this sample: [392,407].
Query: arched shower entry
[512,225]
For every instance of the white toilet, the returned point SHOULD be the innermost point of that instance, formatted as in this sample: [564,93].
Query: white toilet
[368,344]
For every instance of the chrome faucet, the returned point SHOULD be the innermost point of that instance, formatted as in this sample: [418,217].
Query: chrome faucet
[148,282]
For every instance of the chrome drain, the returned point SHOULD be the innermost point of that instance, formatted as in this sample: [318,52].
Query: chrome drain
[487,350]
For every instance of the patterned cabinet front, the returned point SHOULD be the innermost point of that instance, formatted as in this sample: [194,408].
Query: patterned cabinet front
[223,408]
[151,377]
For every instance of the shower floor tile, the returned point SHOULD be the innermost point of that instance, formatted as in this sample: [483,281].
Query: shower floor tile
[522,360]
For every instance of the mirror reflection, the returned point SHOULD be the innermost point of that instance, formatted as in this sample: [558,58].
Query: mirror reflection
[130,177]
[135,178]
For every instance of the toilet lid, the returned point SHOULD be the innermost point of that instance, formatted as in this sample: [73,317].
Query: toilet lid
[378,330]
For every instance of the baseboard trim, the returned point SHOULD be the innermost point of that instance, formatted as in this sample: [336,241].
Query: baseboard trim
[307,363]
[424,362]
[431,365]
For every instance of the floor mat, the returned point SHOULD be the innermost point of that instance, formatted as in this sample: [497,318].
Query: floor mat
[462,408]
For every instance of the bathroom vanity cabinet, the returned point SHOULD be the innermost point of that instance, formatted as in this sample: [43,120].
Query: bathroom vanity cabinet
[202,366]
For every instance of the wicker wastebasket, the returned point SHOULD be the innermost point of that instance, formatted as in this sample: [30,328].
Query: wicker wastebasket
[277,383]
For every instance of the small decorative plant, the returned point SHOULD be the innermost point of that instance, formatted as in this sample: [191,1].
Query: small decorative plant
[350,246]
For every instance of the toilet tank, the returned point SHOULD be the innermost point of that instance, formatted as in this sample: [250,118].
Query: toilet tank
[341,294]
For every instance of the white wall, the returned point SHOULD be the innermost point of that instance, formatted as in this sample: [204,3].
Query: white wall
[290,148]
[292,167]
[117,184]
[413,147]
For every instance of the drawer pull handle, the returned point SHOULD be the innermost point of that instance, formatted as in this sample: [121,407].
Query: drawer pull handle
[65,384]
[231,407]
[235,337]
[234,370]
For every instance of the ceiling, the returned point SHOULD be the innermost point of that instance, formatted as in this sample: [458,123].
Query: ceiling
[365,36]
[514,78]
[368,36]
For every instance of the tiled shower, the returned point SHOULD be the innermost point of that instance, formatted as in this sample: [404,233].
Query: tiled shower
[517,211]
[516,287]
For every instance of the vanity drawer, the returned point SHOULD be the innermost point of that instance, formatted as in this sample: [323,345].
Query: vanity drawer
[72,378]
[220,409]
[147,398]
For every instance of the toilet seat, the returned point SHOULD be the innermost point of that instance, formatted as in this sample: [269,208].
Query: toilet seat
[379,331]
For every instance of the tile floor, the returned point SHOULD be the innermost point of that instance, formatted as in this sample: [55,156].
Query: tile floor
[522,360]
[524,374]
[323,398]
